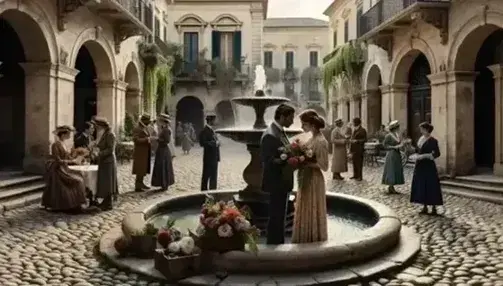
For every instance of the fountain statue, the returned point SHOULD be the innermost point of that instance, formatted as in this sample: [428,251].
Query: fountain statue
[252,195]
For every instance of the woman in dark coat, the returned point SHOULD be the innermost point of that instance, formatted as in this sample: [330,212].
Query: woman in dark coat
[163,175]
[108,187]
[425,188]
[393,168]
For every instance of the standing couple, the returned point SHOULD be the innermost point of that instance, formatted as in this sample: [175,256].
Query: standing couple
[310,221]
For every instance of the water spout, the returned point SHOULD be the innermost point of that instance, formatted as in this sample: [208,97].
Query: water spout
[260,79]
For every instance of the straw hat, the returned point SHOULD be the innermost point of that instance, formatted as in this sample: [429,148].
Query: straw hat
[101,121]
[393,124]
[338,121]
[164,118]
[63,128]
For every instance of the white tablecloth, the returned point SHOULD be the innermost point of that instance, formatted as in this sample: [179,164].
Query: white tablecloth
[90,174]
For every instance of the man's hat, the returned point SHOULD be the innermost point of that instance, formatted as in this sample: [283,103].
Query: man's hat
[165,118]
[101,121]
[145,117]
[338,121]
[63,128]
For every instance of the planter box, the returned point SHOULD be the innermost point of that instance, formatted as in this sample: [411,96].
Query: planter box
[212,242]
[176,268]
[143,246]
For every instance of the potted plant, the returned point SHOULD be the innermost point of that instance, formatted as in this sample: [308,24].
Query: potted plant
[144,243]
[223,227]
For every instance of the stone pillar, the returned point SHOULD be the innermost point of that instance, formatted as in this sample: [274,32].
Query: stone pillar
[335,111]
[133,101]
[49,103]
[354,106]
[497,71]
[120,104]
[371,110]
[106,101]
[439,117]
[395,96]
[342,110]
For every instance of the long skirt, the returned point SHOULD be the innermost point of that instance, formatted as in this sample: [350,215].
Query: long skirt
[163,175]
[425,188]
[108,185]
[64,188]
[393,169]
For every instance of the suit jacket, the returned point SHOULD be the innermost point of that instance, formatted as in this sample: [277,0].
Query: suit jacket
[360,135]
[142,150]
[82,140]
[277,175]
[107,148]
[209,141]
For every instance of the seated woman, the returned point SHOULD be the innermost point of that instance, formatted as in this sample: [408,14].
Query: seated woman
[64,188]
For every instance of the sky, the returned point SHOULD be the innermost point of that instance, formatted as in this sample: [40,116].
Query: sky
[298,8]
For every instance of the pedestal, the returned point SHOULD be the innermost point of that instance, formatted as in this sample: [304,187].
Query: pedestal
[254,198]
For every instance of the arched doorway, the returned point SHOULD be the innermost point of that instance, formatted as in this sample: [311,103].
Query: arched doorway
[484,110]
[418,96]
[374,100]
[85,91]
[225,114]
[23,41]
[133,90]
[190,110]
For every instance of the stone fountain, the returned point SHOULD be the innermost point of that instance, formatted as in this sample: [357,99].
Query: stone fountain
[252,195]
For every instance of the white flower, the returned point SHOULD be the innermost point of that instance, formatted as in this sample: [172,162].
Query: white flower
[309,153]
[200,230]
[225,230]
[174,247]
[302,158]
[283,156]
[187,245]
[241,223]
[176,234]
[215,208]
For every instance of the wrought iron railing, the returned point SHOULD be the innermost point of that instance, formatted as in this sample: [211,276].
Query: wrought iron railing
[384,10]
[140,9]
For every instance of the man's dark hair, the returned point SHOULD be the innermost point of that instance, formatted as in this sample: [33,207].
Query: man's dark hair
[357,121]
[283,110]
[88,125]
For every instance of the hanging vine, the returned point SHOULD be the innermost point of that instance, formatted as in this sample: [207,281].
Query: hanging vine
[163,84]
[149,53]
[346,65]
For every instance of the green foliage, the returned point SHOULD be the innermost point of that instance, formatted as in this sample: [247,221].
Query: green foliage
[150,230]
[272,75]
[225,74]
[163,82]
[129,123]
[347,63]
[149,53]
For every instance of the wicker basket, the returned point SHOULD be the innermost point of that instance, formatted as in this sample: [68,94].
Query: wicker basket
[176,268]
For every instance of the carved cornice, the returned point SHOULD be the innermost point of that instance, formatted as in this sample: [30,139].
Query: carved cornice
[270,46]
[121,33]
[226,20]
[385,42]
[437,17]
[289,46]
[345,13]
[314,46]
[190,20]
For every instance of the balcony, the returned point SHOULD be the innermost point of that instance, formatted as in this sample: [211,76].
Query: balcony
[290,75]
[209,71]
[128,17]
[379,22]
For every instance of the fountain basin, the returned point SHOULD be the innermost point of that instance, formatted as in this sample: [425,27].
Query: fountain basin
[376,231]
[250,135]
[265,101]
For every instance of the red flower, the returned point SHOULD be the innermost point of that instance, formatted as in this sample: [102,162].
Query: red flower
[164,238]
[293,161]
[294,145]
[230,213]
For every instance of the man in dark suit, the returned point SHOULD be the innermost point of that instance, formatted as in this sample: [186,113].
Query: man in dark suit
[84,139]
[358,139]
[277,177]
[209,141]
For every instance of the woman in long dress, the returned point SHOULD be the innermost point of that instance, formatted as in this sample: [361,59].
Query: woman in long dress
[163,175]
[64,188]
[108,186]
[339,151]
[310,222]
[425,188]
[393,168]
[187,142]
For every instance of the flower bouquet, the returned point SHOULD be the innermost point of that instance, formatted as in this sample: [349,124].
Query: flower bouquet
[81,154]
[297,154]
[179,256]
[223,227]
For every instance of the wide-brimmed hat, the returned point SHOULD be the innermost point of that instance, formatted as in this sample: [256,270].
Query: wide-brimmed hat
[211,115]
[393,124]
[101,121]
[338,120]
[164,118]
[63,128]
[145,117]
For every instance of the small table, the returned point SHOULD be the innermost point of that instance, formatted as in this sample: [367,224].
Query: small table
[90,174]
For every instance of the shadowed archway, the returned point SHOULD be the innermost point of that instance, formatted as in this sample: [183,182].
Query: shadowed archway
[191,110]
[133,98]
[374,100]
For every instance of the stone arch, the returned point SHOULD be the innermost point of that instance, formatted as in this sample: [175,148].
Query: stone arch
[190,109]
[405,57]
[101,51]
[226,20]
[373,78]
[469,38]
[133,91]
[225,113]
[372,116]
[191,20]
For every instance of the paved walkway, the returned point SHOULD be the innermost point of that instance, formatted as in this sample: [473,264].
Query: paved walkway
[40,248]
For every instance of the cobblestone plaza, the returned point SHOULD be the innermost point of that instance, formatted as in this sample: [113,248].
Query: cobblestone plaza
[464,247]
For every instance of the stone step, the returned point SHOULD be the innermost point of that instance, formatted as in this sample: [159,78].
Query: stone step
[19,202]
[481,190]
[21,190]
[17,179]
[18,190]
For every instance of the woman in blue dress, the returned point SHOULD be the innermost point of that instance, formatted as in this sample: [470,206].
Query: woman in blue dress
[393,168]
[425,188]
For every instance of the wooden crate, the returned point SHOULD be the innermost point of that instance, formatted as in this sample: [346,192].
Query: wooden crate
[176,268]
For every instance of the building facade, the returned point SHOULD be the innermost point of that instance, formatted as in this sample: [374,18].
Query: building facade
[292,57]
[437,61]
[63,62]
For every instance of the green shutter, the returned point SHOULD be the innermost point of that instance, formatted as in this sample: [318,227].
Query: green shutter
[236,50]
[215,44]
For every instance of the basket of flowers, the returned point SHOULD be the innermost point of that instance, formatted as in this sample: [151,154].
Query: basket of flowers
[223,227]
[144,243]
[179,256]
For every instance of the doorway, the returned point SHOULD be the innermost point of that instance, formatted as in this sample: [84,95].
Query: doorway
[12,98]
[85,91]
[419,96]
[191,110]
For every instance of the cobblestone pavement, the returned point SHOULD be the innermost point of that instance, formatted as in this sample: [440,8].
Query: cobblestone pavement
[465,247]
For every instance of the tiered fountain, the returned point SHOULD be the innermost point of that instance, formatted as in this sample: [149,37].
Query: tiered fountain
[252,195]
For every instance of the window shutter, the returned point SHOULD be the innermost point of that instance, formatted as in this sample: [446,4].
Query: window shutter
[236,50]
[215,44]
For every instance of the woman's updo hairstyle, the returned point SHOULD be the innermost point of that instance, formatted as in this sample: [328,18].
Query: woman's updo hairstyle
[426,126]
[310,116]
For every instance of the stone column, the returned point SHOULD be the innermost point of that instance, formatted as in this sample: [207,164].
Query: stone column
[120,104]
[371,110]
[342,110]
[439,117]
[497,71]
[395,96]
[335,111]
[354,106]
[49,103]
[106,101]
[133,101]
